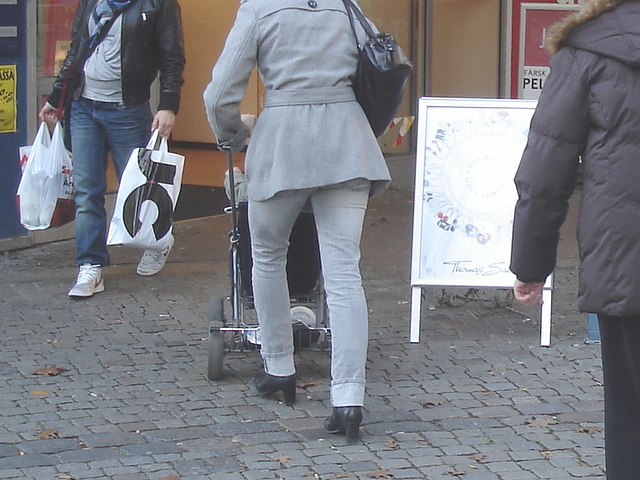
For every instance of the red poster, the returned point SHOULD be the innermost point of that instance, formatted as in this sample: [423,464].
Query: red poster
[527,59]
[55,29]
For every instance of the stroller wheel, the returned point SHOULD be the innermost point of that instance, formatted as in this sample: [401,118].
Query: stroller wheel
[216,339]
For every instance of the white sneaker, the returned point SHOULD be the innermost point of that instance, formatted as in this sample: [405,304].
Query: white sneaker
[89,281]
[153,261]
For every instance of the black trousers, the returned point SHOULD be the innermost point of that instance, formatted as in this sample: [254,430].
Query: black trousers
[621,370]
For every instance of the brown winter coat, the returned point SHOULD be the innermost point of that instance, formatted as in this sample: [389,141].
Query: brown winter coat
[589,108]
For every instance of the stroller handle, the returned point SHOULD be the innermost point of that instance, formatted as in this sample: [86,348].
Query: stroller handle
[234,235]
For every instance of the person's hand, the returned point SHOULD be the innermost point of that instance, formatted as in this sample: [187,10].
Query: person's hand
[249,121]
[164,122]
[48,115]
[529,293]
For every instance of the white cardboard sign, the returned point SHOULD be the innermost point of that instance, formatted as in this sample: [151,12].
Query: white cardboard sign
[467,156]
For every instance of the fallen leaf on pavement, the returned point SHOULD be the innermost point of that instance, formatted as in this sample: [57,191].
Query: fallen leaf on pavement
[301,384]
[47,434]
[392,444]
[541,422]
[382,473]
[39,393]
[51,371]
[590,430]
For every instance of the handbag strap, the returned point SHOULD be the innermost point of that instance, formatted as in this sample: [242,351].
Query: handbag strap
[351,10]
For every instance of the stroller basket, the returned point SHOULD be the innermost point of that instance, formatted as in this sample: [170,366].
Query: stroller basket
[306,290]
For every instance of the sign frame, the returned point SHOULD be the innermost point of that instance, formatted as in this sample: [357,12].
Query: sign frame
[467,153]
[512,38]
[535,18]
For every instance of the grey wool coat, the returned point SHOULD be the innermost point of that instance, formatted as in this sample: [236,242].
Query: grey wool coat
[589,107]
[312,132]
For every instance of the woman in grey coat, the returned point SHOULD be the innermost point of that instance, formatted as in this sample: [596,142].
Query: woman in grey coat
[590,108]
[311,146]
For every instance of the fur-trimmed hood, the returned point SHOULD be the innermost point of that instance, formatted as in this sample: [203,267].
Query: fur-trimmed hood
[606,27]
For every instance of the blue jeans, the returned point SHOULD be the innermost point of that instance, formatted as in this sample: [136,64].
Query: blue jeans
[339,214]
[96,129]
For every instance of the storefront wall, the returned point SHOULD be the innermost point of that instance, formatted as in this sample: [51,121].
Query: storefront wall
[464,39]
[455,46]
[13,97]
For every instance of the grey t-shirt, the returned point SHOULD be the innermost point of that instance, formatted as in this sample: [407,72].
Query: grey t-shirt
[103,69]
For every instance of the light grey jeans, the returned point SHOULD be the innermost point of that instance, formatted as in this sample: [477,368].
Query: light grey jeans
[339,215]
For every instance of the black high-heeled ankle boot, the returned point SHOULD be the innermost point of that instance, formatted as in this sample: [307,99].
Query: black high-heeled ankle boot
[267,384]
[345,420]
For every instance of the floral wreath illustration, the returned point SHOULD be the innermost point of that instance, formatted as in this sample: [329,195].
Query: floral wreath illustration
[468,180]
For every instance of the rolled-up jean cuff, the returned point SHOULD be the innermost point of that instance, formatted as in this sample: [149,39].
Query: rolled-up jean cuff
[279,365]
[347,394]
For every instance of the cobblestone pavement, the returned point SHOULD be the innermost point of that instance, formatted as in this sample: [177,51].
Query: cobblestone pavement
[477,398]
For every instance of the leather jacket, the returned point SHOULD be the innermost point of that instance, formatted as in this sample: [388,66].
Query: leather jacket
[152,41]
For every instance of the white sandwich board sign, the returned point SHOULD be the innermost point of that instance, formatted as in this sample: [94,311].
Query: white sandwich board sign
[467,155]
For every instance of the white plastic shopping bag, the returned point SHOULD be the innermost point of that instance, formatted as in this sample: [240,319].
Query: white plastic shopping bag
[45,193]
[24,152]
[147,196]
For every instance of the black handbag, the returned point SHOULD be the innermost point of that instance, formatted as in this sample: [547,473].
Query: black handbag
[383,70]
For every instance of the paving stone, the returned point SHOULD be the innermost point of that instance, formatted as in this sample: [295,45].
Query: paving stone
[111,439]
[179,434]
[8,450]
[239,428]
[12,474]
[51,446]
[114,475]
[151,448]
[27,461]
[88,455]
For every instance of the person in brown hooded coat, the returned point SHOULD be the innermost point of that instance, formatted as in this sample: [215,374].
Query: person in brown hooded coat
[589,112]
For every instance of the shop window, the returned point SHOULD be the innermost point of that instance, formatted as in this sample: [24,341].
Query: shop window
[54,21]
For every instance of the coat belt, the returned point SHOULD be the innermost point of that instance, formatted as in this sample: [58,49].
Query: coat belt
[309,96]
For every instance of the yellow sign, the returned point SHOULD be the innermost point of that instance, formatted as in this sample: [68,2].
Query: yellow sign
[8,110]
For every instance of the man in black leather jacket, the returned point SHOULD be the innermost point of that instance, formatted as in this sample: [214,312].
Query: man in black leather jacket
[103,89]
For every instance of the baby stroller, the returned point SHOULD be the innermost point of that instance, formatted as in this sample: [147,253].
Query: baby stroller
[308,313]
